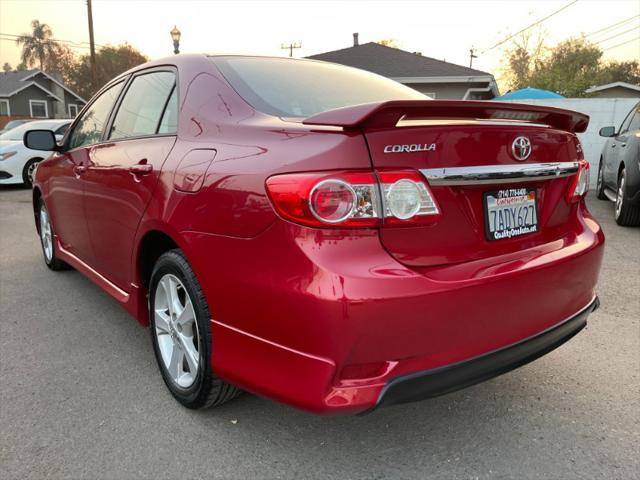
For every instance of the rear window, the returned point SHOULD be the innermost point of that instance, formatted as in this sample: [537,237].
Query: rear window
[301,88]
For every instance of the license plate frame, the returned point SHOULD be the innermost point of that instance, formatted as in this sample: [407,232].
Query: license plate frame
[515,210]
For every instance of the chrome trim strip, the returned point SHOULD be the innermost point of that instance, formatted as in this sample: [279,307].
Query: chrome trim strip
[496,174]
[404,122]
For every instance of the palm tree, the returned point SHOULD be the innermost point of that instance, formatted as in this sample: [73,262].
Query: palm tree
[37,46]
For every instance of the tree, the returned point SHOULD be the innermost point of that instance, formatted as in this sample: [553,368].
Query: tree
[37,45]
[621,72]
[569,68]
[110,62]
[6,67]
[64,63]
[522,57]
[388,42]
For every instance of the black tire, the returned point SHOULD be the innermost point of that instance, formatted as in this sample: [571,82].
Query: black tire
[207,389]
[52,261]
[600,186]
[627,215]
[27,180]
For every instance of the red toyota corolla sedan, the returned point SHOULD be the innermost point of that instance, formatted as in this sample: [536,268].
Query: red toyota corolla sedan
[321,235]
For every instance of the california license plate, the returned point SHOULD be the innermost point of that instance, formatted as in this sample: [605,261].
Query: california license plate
[510,213]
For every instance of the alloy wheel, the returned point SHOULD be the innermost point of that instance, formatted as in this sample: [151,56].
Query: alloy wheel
[176,330]
[45,234]
[599,184]
[31,169]
[620,196]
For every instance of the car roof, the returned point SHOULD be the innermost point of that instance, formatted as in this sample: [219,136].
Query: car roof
[35,124]
[193,58]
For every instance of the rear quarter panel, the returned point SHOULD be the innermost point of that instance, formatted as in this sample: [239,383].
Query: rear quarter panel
[249,147]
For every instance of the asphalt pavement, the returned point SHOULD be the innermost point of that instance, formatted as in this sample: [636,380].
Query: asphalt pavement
[81,395]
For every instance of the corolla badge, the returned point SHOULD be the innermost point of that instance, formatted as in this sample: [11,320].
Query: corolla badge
[521,148]
[415,147]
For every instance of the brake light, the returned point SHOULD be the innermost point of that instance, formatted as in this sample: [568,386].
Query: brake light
[353,199]
[579,186]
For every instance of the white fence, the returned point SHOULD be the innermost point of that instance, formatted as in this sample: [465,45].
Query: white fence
[602,112]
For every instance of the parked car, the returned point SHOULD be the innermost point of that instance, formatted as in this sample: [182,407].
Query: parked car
[321,235]
[17,162]
[13,124]
[619,170]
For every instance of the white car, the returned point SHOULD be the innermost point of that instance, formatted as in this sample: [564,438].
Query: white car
[17,162]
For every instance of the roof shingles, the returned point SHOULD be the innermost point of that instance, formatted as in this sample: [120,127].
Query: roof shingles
[394,63]
[12,81]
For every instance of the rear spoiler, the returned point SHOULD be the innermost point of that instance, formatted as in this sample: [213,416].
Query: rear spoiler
[388,114]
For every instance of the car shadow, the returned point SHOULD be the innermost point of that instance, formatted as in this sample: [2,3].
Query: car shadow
[13,187]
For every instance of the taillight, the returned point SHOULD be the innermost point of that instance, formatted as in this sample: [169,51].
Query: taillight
[353,199]
[580,183]
[406,198]
[333,201]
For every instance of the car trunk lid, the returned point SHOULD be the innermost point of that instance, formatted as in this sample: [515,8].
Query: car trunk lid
[468,151]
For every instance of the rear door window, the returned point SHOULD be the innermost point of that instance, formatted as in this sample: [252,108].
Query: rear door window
[141,110]
[169,123]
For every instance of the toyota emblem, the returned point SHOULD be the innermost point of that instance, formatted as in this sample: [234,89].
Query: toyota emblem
[521,148]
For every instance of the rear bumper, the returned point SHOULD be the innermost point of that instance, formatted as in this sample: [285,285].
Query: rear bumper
[326,321]
[439,381]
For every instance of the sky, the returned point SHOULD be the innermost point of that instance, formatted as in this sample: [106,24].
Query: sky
[445,30]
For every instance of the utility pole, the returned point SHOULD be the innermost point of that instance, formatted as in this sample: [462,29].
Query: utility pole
[92,45]
[472,55]
[290,47]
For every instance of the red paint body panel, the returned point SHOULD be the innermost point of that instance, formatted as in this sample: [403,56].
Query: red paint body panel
[298,312]
[459,234]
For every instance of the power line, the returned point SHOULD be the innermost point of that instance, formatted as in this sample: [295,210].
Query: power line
[635,29]
[532,25]
[611,26]
[58,40]
[620,44]
[14,41]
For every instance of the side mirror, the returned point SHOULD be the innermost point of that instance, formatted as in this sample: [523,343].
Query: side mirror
[608,132]
[40,140]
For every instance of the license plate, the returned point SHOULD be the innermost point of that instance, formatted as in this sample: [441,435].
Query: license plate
[510,213]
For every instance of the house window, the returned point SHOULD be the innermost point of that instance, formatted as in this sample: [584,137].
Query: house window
[4,107]
[73,110]
[38,108]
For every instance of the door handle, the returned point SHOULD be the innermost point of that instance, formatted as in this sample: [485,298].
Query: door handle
[623,145]
[141,168]
[613,145]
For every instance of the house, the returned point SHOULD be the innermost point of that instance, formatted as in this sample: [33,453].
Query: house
[615,90]
[436,78]
[36,94]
